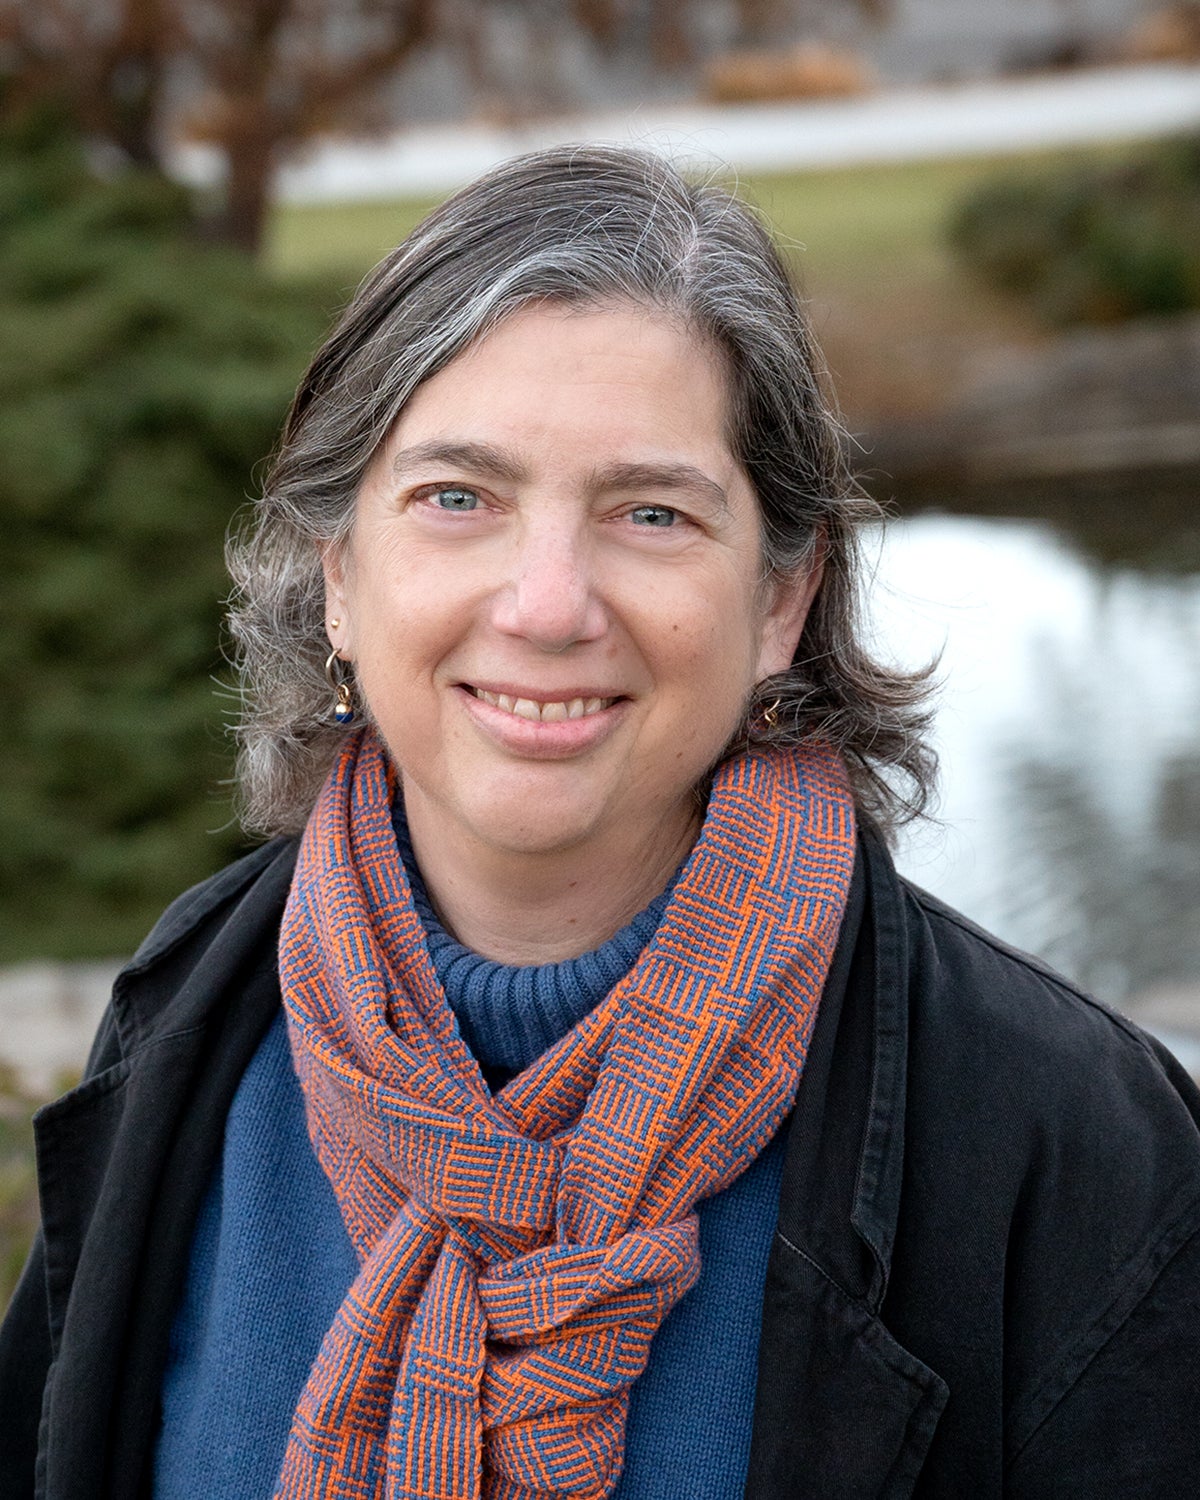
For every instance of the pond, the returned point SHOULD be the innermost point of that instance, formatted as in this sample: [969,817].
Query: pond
[1069,731]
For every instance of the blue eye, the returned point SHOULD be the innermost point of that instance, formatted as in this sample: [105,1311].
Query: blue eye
[454,497]
[653,515]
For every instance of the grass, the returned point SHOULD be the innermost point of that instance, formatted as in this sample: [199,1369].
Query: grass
[889,303]
[849,224]
[343,240]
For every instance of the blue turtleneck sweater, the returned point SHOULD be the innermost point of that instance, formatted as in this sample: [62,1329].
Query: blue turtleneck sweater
[271,1260]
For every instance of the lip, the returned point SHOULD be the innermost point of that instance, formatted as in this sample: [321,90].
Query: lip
[555,739]
[540,694]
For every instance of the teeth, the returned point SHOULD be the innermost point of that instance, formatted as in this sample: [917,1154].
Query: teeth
[546,713]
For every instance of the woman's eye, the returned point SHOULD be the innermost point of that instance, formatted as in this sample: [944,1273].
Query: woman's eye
[453,497]
[654,515]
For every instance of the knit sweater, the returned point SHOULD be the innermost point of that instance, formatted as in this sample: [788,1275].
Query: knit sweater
[271,1260]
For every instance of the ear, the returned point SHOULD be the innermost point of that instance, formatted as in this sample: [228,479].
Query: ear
[337,607]
[790,601]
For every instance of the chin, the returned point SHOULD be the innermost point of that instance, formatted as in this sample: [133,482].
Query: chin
[548,831]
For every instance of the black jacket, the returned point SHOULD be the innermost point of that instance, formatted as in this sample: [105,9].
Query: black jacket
[985,1281]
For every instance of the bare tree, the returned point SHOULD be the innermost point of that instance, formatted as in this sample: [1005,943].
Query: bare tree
[277,70]
[255,77]
[263,74]
[106,62]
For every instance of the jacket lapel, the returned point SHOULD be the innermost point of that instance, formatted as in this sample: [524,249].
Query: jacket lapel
[123,1162]
[842,1411]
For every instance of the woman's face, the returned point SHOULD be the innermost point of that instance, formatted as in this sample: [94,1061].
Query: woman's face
[552,590]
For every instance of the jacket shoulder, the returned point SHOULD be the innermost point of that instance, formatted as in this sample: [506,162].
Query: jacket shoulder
[1023,1010]
[1055,1075]
[1065,1146]
[238,908]
[210,898]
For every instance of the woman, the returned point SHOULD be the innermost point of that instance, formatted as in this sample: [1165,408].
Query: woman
[571,1100]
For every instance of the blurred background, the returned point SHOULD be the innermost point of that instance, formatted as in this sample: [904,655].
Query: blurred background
[995,211]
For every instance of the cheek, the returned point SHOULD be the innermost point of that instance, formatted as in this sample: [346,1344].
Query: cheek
[708,665]
[395,607]
[735,633]
[713,634]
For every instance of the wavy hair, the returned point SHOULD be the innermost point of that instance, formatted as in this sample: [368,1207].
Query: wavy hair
[580,225]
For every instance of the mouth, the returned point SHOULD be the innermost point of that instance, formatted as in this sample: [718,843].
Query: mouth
[552,711]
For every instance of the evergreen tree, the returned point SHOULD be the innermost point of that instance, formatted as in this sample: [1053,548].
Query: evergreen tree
[142,378]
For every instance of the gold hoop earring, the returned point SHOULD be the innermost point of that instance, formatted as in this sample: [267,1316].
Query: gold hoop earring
[343,704]
[770,715]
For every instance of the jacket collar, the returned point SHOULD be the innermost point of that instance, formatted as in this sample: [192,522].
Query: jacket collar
[148,998]
[848,1126]
[842,1409]
[877,1194]
[842,1178]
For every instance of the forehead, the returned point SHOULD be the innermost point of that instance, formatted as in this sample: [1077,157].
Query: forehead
[624,374]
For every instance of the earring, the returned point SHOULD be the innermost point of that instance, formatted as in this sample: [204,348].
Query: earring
[343,707]
[770,715]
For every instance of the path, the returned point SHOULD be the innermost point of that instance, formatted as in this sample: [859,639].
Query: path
[983,118]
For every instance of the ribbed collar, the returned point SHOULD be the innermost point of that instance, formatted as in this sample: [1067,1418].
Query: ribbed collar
[510,1014]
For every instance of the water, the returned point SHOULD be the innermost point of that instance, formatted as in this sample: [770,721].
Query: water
[1069,729]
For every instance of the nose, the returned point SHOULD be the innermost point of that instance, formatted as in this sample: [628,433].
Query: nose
[550,597]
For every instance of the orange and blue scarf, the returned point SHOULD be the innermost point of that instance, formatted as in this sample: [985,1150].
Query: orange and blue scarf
[519,1251]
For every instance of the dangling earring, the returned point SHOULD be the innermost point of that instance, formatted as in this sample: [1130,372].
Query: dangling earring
[770,714]
[343,707]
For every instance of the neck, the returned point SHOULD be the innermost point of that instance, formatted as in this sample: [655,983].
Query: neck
[540,908]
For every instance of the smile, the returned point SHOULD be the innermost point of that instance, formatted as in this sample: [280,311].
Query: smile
[546,713]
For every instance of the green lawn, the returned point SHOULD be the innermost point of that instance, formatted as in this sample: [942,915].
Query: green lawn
[867,242]
[345,239]
[846,224]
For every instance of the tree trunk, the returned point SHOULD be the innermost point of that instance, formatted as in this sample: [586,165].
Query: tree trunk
[134,75]
[249,158]
[671,44]
[134,90]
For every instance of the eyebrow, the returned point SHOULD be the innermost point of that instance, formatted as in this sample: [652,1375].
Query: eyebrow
[661,476]
[484,458]
[480,458]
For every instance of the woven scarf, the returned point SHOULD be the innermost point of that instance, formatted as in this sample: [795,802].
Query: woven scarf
[519,1251]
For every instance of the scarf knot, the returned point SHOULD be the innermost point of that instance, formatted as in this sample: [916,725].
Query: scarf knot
[519,1252]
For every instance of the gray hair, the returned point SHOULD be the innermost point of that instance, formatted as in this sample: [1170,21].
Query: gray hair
[585,226]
